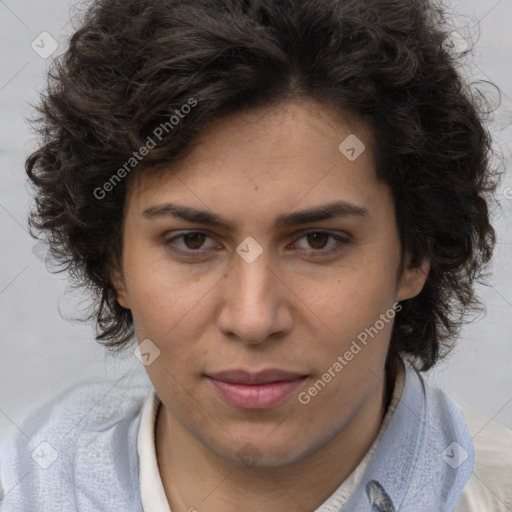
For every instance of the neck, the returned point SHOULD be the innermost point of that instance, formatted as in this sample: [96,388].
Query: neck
[196,478]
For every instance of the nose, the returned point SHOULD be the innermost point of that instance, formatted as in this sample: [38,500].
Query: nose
[255,302]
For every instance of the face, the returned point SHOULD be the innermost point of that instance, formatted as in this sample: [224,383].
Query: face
[254,265]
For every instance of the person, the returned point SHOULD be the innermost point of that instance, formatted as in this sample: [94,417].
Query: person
[285,207]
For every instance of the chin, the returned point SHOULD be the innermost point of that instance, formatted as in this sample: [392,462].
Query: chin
[263,450]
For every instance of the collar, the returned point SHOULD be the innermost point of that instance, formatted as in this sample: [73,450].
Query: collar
[420,460]
[152,492]
[424,459]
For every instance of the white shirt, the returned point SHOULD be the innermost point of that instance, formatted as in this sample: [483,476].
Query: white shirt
[489,489]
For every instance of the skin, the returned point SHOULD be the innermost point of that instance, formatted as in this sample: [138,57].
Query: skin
[296,307]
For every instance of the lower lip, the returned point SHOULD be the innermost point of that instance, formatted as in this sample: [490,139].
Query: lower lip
[256,396]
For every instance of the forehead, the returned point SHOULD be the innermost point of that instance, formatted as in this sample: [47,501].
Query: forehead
[300,149]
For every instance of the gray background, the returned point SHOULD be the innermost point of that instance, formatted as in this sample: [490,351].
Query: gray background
[42,353]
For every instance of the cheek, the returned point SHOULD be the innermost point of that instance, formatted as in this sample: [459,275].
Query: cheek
[352,296]
[348,309]
[163,302]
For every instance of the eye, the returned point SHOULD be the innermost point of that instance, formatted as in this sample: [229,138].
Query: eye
[190,242]
[193,243]
[318,241]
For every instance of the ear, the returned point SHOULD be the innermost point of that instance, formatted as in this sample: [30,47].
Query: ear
[413,278]
[118,282]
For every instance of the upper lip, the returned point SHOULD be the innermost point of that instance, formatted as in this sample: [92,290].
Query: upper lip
[263,377]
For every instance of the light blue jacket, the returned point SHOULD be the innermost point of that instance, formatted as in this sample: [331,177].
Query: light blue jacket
[79,453]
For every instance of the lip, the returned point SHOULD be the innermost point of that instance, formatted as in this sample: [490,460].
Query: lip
[262,390]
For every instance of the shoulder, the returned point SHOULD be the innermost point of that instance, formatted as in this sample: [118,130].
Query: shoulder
[90,428]
[490,485]
[89,406]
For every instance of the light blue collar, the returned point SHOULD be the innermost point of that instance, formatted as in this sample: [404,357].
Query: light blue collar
[424,458]
[421,464]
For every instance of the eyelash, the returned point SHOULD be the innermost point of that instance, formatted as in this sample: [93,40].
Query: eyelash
[168,241]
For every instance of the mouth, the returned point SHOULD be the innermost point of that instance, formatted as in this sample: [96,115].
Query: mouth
[262,390]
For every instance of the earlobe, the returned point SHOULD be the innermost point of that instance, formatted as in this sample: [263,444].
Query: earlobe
[117,279]
[413,279]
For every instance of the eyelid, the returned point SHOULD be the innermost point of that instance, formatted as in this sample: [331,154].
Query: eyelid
[340,234]
[168,239]
[340,237]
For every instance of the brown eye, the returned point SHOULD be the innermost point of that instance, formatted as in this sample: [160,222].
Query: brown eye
[318,240]
[192,243]
[321,243]
[194,240]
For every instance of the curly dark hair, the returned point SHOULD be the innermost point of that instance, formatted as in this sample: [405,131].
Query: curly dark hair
[132,64]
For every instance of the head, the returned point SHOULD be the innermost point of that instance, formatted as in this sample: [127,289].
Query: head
[253,111]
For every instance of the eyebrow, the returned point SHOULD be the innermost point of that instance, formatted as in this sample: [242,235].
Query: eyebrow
[324,212]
